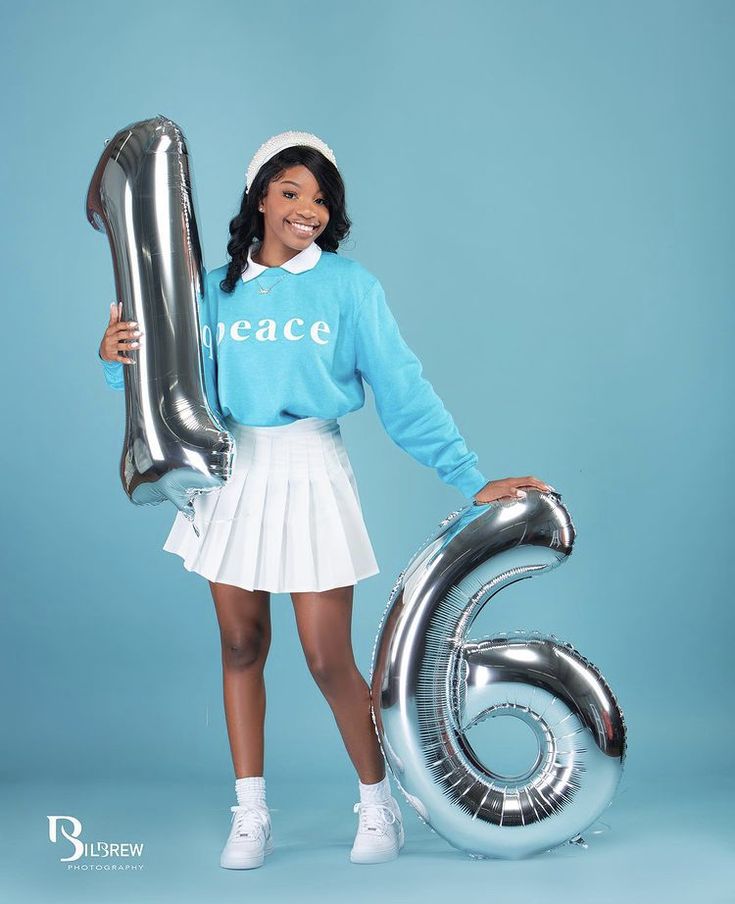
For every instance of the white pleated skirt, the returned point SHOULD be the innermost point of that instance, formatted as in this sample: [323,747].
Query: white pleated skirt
[288,519]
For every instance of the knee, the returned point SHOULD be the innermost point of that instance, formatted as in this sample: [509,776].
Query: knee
[329,674]
[245,648]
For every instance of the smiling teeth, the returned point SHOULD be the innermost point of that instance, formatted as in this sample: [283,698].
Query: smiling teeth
[302,227]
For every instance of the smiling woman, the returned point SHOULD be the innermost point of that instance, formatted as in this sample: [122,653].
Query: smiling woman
[294,196]
[292,332]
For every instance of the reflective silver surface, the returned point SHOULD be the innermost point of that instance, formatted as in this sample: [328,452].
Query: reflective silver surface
[432,684]
[176,444]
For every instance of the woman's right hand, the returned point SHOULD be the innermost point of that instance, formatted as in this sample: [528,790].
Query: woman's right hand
[119,336]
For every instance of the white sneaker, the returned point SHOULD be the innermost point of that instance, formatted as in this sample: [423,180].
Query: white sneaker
[250,838]
[379,832]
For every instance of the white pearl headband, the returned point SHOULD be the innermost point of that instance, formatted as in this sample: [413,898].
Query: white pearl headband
[280,142]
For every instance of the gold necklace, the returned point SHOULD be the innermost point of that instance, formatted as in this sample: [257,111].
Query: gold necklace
[262,290]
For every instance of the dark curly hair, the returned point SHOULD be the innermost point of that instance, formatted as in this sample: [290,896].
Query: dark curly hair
[248,224]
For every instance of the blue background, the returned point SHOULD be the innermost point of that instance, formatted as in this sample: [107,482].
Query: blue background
[546,192]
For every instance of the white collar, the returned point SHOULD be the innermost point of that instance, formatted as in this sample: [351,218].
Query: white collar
[300,262]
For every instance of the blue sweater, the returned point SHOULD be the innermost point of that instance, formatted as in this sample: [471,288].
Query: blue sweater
[305,349]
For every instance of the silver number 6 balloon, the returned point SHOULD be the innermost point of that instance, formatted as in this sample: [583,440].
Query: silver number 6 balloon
[141,196]
[431,685]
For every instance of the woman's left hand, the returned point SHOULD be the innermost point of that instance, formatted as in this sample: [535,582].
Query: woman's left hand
[510,487]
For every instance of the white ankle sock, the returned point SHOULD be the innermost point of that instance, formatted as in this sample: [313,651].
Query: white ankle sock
[375,793]
[250,791]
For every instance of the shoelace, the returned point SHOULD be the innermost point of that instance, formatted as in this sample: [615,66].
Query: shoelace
[249,822]
[374,817]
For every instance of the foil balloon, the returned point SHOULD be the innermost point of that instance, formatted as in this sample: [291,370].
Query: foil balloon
[141,196]
[432,684]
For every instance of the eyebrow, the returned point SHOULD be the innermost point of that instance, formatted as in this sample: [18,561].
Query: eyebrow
[297,184]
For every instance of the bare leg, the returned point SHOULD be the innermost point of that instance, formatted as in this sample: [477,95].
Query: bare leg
[324,622]
[245,633]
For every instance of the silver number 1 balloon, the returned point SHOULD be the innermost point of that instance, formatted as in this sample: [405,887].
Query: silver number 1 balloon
[432,684]
[141,196]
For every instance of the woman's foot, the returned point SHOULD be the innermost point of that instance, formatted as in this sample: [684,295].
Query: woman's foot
[379,832]
[249,840]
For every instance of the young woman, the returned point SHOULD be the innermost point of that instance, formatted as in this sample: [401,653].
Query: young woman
[291,330]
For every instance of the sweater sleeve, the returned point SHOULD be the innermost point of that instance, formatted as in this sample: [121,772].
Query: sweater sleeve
[208,334]
[113,371]
[411,412]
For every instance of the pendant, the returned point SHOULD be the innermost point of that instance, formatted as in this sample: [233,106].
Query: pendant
[262,291]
